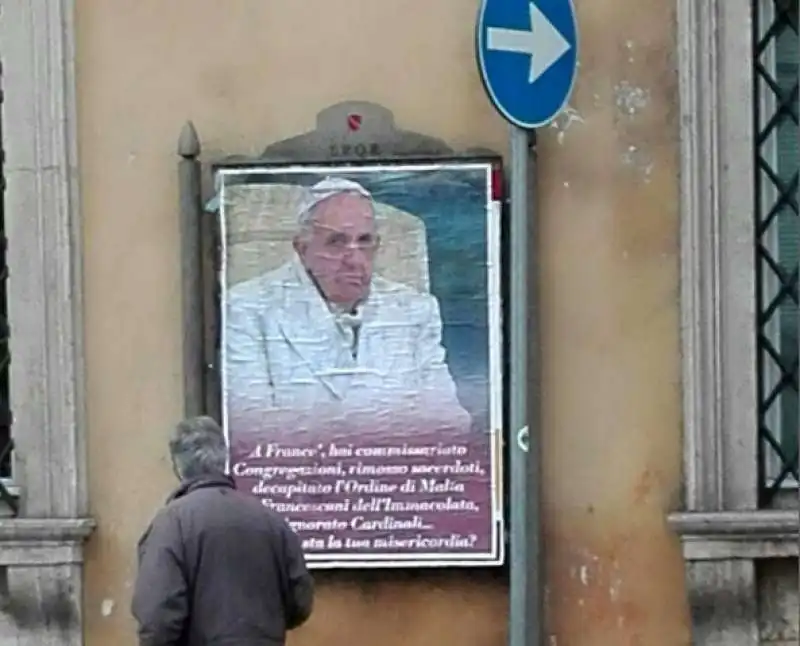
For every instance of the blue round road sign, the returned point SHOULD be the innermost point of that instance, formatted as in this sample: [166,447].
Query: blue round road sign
[527,56]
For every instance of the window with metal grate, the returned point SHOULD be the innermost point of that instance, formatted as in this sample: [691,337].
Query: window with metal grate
[777,163]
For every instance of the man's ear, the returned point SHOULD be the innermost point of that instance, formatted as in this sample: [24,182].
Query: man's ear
[377,242]
[299,245]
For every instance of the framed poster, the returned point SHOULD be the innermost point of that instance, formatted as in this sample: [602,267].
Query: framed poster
[361,357]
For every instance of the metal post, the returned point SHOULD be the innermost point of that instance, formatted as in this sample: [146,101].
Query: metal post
[535,564]
[525,617]
[191,270]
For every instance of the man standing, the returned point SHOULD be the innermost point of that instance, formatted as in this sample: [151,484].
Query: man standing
[324,329]
[215,566]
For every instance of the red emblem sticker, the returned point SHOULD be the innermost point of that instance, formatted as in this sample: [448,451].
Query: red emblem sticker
[354,122]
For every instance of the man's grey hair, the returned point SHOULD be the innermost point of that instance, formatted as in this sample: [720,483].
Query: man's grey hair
[322,191]
[198,448]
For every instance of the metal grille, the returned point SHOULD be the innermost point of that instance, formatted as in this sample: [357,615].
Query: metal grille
[6,443]
[777,222]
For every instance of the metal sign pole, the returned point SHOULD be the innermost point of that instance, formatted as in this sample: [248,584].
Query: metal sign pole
[535,583]
[524,619]
[518,368]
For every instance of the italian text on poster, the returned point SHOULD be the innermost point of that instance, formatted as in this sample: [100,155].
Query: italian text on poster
[362,357]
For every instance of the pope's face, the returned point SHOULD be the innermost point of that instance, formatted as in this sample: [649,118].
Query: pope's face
[339,250]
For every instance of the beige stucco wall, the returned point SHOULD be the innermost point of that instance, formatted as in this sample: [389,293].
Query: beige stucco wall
[248,72]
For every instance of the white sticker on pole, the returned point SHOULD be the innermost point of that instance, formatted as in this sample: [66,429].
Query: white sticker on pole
[523,439]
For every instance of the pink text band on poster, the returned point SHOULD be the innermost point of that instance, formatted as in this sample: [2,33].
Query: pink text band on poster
[362,357]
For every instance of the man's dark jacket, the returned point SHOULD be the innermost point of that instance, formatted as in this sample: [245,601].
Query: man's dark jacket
[216,568]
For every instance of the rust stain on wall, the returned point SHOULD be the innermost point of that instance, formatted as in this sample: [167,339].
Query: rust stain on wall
[616,588]
[649,481]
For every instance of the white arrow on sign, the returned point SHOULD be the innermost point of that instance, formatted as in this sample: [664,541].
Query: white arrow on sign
[543,43]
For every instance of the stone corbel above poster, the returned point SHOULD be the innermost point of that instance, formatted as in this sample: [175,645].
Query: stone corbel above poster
[360,130]
[355,130]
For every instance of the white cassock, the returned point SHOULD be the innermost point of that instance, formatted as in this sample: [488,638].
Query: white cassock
[285,349]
